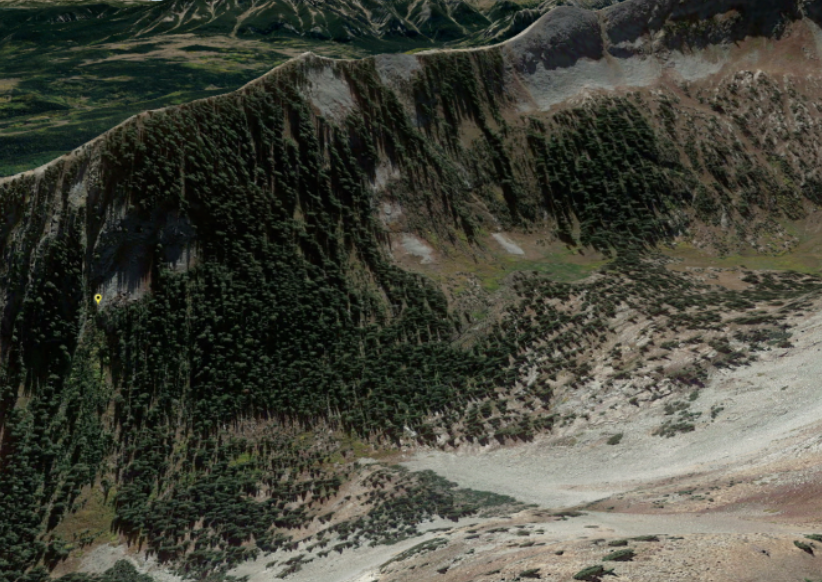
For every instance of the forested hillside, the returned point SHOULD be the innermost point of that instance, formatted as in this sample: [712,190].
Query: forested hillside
[256,326]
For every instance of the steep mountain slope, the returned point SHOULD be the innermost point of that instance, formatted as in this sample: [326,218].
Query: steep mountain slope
[249,253]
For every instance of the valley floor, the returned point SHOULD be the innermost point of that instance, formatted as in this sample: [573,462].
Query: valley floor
[771,413]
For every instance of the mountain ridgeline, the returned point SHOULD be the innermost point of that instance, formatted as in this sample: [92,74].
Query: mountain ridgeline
[343,21]
[72,69]
[248,287]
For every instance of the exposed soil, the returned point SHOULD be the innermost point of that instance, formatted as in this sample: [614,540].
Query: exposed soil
[726,501]
[739,489]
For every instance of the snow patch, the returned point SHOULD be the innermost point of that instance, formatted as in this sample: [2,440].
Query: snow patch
[414,246]
[510,246]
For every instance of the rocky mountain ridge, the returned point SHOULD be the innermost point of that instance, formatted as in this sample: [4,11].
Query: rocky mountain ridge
[72,70]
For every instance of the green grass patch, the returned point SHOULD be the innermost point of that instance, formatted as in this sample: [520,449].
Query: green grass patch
[803,260]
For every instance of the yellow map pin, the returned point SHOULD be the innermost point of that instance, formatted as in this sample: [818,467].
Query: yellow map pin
[98,298]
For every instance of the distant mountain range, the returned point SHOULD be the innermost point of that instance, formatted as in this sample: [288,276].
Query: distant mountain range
[71,69]
[338,20]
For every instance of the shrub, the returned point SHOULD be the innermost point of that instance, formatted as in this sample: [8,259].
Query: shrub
[670,429]
[625,555]
[593,573]
[804,547]
[615,440]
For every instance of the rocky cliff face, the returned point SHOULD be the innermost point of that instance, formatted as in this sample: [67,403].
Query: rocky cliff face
[244,247]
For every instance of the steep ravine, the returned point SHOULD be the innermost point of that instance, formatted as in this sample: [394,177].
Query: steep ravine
[256,328]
